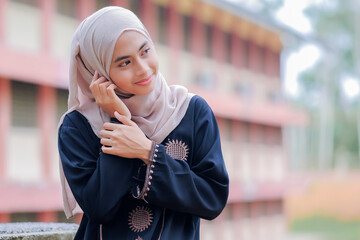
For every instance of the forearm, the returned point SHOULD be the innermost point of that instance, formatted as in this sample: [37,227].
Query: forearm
[100,192]
[170,183]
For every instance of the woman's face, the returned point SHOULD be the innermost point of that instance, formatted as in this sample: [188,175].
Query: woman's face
[134,64]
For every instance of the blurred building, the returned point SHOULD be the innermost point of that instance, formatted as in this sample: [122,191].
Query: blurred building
[214,48]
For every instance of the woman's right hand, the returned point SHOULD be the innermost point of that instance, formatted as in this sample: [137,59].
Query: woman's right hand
[105,96]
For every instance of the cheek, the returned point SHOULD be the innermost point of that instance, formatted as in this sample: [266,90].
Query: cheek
[154,63]
[120,78]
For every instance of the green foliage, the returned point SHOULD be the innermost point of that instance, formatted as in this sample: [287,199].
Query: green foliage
[346,136]
[334,25]
[327,227]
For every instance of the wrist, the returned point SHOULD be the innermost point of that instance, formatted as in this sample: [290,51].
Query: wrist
[146,152]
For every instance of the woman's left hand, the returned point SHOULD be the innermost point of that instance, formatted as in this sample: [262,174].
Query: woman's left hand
[125,140]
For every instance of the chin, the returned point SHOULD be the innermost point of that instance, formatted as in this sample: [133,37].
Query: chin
[148,89]
[146,92]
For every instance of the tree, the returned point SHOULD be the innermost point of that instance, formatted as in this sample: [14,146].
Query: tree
[334,24]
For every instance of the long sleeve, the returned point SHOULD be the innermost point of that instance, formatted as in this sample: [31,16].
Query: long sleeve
[199,187]
[98,181]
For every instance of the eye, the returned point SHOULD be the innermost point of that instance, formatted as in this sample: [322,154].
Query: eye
[146,51]
[125,63]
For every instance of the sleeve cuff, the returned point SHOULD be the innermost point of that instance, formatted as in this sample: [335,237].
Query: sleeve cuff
[139,193]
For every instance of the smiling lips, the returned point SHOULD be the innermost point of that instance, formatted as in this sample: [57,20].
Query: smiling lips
[145,81]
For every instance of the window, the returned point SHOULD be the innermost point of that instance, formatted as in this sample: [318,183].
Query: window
[209,40]
[162,27]
[256,133]
[61,101]
[186,32]
[245,132]
[243,88]
[27,2]
[228,47]
[205,79]
[135,7]
[273,135]
[246,55]
[227,129]
[24,101]
[67,8]
[102,3]
[261,59]
[24,217]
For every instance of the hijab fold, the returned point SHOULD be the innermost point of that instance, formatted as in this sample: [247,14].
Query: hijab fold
[157,113]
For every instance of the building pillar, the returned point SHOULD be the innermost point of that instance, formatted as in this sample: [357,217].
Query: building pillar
[47,124]
[197,46]
[174,39]
[5,122]
[218,52]
[121,3]
[237,218]
[48,8]
[254,215]
[197,35]
[219,222]
[254,140]
[84,8]
[236,138]
[49,216]
[149,17]
[5,218]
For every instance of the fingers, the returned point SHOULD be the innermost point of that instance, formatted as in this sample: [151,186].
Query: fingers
[123,119]
[108,150]
[111,90]
[106,142]
[110,127]
[103,86]
[111,87]
[105,133]
[95,82]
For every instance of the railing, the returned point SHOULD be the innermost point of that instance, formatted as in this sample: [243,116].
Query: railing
[37,231]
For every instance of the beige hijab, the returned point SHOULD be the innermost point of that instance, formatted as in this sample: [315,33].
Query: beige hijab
[157,113]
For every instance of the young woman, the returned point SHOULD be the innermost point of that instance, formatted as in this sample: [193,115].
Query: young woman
[141,159]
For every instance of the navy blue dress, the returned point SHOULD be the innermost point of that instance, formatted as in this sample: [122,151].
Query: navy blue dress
[185,180]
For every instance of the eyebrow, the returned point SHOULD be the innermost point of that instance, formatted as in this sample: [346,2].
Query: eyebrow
[124,57]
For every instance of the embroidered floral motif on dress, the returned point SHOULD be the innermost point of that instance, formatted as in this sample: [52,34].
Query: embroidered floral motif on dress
[138,238]
[177,149]
[140,219]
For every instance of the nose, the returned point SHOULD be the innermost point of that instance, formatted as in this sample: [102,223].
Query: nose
[142,67]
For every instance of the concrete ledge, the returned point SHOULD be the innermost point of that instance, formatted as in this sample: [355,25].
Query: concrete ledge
[38,231]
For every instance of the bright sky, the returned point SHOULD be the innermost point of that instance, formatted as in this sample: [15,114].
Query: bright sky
[351,87]
[291,14]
